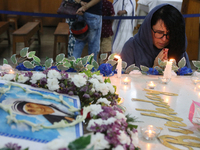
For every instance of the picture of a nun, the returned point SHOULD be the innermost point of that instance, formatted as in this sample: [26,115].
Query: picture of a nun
[51,112]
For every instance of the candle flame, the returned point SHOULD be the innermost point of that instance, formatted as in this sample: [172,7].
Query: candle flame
[171,59]
[117,56]
[150,131]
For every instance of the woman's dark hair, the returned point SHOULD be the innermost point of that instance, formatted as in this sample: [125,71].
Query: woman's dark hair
[175,23]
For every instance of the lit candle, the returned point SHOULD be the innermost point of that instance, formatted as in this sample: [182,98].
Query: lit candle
[119,66]
[151,85]
[11,71]
[126,80]
[168,70]
[150,132]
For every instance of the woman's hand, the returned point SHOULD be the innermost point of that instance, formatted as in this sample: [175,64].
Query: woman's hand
[163,55]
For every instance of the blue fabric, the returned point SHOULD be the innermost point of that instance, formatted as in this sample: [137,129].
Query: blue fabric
[139,50]
[95,24]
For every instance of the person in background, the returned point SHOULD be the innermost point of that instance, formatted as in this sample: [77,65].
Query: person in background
[161,35]
[122,28]
[91,12]
[106,32]
[72,40]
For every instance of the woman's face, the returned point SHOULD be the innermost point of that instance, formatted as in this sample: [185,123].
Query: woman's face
[37,109]
[157,32]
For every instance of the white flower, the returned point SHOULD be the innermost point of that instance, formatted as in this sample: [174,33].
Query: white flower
[120,116]
[54,74]
[124,138]
[93,121]
[83,75]
[37,76]
[92,90]
[134,137]
[53,84]
[79,80]
[5,67]
[93,81]
[119,147]
[103,100]
[102,87]
[98,77]
[8,77]
[22,78]
[109,121]
[57,144]
[95,109]
[99,141]
[110,88]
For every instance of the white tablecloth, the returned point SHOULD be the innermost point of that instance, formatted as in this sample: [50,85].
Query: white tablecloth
[181,85]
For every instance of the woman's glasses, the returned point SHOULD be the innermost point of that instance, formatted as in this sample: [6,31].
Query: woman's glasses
[160,34]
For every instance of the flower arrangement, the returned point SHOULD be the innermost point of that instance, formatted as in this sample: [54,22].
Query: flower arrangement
[109,127]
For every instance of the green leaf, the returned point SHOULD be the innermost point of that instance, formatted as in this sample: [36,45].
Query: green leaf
[89,67]
[107,80]
[95,64]
[48,63]
[35,58]
[175,68]
[13,59]
[31,54]
[84,60]
[112,56]
[131,68]
[28,64]
[124,64]
[144,68]
[61,67]
[196,63]
[103,56]
[24,52]
[80,143]
[79,66]
[112,62]
[72,58]
[90,58]
[5,61]
[60,57]
[132,126]
[182,63]
[67,64]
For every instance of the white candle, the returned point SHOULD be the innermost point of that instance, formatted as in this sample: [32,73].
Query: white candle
[119,66]
[168,70]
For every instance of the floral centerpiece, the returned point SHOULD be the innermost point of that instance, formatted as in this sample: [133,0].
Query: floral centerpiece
[108,126]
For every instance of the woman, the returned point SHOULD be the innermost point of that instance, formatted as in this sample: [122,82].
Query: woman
[162,35]
[122,29]
[51,112]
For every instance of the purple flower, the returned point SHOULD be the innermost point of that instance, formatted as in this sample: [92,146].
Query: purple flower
[28,74]
[43,81]
[86,95]
[107,113]
[13,146]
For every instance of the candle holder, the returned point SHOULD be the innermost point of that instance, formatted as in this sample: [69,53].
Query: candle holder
[164,80]
[126,80]
[150,132]
[150,85]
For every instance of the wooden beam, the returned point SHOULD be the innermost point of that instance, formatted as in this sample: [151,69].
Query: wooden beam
[192,27]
